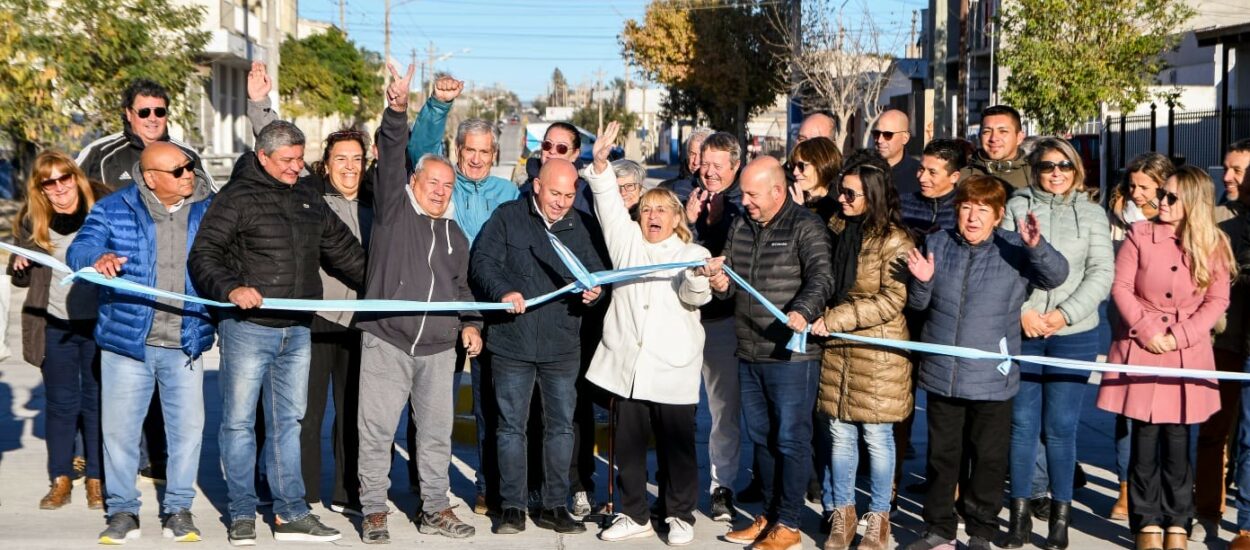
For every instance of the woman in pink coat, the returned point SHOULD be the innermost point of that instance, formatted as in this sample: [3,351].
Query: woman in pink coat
[1171,286]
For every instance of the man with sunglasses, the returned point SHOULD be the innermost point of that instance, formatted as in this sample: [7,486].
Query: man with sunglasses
[1000,154]
[890,136]
[145,120]
[141,234]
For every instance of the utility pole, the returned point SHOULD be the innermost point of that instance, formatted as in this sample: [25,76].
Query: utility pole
[597,99]
[429,52]
[386,54]
[343,15]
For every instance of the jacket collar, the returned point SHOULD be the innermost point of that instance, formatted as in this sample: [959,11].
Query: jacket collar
[994,167]
[562,224]
[134,139]
[1160,232]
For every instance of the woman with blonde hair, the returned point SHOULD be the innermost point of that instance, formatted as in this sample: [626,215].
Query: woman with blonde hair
[651,352]
[58,322]
[1171,286]
[1061,323]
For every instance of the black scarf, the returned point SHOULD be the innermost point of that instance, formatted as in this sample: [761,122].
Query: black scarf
[846,247]
[67,224]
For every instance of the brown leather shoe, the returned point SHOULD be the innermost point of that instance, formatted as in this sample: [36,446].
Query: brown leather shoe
[58,495]
[842,526]
[750,533]
[780,537]
[1119,511]
[877,532]
[1176,539]
[95,494]
[1240,542]
[1150,538]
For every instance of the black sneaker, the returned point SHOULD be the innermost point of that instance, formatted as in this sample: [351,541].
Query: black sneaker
[306,529]
[445,523]
[122,526]
[511,522]
[180,527]
[723,505]
[559,519]
[242,532]
[373,529]
[929,542]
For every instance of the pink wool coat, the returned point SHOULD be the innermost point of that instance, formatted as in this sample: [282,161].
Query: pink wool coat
[1155,293]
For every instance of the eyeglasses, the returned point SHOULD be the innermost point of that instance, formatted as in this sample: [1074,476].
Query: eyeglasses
[148,111]
[179,171]
[560,148]
[797,165]
[887,135]
[1166,197]
[1046,167]
[850,195]
[64,180]
[628,187]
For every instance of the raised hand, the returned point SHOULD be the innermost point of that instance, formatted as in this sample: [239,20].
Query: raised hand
[447,89]
[920,266]
[796,193]
[258,82]
[694,205]
[603,145]
[397,92]
[1031,231]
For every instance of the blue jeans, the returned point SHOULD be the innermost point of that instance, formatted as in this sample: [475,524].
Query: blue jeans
[71,381]
[777,401]
[127,391]
[475,377]
[1049,397]
[880,441]
[514,388]
[269,363]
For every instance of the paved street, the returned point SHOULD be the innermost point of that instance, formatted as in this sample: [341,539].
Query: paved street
[23,479]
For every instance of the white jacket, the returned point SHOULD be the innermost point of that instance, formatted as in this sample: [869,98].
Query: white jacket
[652,345]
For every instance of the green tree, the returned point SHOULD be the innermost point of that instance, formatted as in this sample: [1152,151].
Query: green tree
[1066,57]
[588,117]
[67,64]
[326,74]
[725,60]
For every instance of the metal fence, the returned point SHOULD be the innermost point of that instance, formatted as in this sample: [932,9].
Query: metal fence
[1193,136]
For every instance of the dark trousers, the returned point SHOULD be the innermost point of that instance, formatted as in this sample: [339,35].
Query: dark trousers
[71,381]
[673,427]
[1160,481]
[1211,463]
[335,365]
[959,430]
[514,391]
[777,401]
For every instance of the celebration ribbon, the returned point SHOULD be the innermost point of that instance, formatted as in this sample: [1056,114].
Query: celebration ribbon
[586,280]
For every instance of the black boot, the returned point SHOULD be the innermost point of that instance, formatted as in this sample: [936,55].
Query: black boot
[1060,517]
[1019,525]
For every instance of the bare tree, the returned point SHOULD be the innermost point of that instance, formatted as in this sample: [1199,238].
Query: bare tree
[838,67]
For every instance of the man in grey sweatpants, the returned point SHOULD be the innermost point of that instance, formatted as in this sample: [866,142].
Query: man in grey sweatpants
[418,253]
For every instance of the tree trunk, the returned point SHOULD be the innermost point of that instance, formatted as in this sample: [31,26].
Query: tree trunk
[741,129]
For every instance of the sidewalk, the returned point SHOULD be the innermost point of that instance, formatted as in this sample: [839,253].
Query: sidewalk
[24,481]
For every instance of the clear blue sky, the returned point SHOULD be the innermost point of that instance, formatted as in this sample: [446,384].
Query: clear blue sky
[517,42]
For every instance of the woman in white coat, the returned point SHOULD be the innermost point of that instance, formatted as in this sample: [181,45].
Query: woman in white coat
[651,353]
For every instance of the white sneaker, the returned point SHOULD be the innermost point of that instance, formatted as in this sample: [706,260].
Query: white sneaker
[582,505]
[680,533]
[624,528]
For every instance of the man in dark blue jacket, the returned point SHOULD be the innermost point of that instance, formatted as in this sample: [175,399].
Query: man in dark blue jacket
[513,260]
[142,234]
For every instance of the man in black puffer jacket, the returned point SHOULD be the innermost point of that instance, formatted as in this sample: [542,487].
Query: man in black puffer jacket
[265,235]
[783,251]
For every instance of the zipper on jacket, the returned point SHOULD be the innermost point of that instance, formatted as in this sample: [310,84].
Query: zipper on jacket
[429,261]
[958,320]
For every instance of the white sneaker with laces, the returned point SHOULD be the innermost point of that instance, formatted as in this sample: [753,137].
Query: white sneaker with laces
[624,528]
[581,504]
[680,533]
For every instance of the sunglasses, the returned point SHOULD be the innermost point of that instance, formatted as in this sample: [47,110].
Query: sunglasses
[798,164]
[850,195]
[560,148]
[1166,197]
[887,135]
[52,183]
[179,171]
[1046,167]
[148,111]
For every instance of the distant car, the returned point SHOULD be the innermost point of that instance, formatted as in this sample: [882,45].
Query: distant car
[515,119]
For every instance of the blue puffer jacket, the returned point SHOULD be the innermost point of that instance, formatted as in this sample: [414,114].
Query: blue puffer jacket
[120,223]
[973,300]
[475,200]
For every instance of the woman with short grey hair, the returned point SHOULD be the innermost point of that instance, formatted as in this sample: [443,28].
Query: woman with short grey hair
[629,179]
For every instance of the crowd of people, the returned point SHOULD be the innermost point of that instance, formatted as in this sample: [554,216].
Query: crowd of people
[1001,243]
